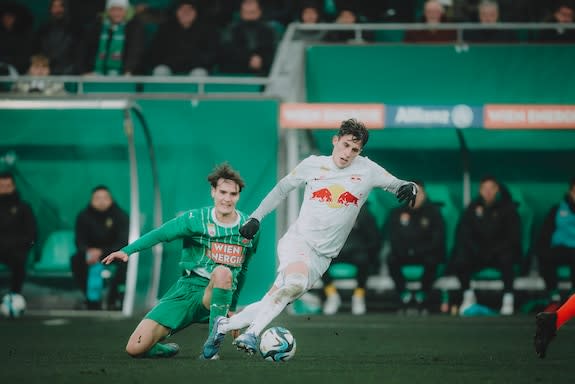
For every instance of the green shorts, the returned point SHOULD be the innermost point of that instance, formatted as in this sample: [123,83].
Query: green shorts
[182,305]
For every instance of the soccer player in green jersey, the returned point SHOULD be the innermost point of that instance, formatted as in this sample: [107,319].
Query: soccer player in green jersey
[214,265]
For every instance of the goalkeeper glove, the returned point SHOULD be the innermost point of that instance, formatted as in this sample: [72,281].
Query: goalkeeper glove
[407,193]
[250,228]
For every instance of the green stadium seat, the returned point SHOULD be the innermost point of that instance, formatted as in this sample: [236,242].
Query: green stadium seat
[342,271]
[564,272]
[56,252]
[412,272]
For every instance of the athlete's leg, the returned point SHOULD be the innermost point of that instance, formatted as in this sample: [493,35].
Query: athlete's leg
[145,337]
[291,284]
[218,294]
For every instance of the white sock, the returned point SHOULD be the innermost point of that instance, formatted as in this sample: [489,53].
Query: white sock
[279,300]
[245,317]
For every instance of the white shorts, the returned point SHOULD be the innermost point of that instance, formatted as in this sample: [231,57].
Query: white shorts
[293,249]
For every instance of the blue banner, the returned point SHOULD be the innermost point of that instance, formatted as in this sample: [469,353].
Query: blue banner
[433,116]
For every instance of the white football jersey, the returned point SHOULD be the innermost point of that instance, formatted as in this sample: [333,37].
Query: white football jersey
[331,200]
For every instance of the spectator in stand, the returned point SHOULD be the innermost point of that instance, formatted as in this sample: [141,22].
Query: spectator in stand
[416,236]
[562,15]
[40,67]
[184,44]
[101,228]
[248,45]
[17,231]
[361,250]
[310,13]
[114,45]
[488,235]
[488,11]
[433,15]
[348,14]
[57,40]
[15,36]
[556,243]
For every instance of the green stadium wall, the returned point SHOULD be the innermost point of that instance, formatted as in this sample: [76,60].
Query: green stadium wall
[62,155]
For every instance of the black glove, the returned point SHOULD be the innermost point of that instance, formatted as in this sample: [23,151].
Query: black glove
[407,193]
[250,228]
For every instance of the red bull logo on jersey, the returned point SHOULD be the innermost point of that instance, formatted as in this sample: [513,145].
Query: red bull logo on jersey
[228,254]
[335,196]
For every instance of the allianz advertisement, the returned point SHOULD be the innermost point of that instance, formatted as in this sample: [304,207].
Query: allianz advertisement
[433,116]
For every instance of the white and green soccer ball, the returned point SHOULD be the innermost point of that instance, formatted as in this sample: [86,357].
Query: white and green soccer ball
[13,305]
[277,344]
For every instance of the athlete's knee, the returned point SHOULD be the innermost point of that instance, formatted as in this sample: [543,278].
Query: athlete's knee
[222,277]
[295,284]
[134,350]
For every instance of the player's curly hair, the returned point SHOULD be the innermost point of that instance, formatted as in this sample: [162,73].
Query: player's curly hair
[355,128]
[225,171]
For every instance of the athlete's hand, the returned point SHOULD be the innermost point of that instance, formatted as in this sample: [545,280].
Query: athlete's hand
[250,228]
[118,255]
[406,193]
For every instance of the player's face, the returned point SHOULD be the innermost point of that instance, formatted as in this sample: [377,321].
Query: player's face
[101,200]
[7,186]
[226,195]
[345,149]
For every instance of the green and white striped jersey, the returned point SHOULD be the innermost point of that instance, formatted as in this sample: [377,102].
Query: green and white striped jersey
[207,243]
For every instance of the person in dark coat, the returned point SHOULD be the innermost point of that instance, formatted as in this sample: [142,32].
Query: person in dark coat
[57,40]
[101,228]
[488,235]
[248,45]
[17,231]
[183,43]
[416,236]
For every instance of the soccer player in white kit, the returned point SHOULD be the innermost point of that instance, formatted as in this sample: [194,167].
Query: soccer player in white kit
[336,187]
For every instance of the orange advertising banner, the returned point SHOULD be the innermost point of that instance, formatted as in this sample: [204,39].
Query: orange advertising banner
[511,116]
[330,116]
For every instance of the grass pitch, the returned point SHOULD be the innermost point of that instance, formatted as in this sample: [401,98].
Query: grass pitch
[376,348]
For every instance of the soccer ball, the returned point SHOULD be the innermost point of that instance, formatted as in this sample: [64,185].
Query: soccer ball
[13,305]
[277,344]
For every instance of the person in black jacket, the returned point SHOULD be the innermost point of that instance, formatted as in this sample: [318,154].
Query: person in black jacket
[361,250]
[556,243]
[57,40]
[488,235]
[416,236]
[114,45]
[101,228]
[248,45]
[17,231]
[184,43]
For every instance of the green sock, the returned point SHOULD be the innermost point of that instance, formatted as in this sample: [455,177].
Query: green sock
[220,305]
[158,350]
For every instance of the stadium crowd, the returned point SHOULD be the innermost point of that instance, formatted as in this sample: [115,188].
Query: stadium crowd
[164,37]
